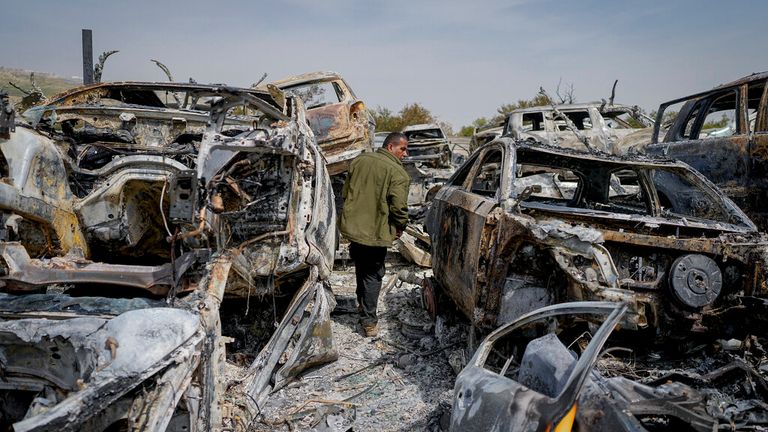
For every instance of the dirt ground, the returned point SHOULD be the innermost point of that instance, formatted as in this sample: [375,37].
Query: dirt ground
[400,380]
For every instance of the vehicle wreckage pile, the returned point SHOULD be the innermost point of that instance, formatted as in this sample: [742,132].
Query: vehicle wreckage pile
[169,261]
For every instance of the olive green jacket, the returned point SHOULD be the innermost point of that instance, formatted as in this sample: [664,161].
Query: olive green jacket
[375,199]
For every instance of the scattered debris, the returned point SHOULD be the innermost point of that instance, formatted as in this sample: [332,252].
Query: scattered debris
[414,246]
[394,382]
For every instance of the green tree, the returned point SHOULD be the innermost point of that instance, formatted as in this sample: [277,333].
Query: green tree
[712,124]
[468,131]
[385,120]
[410,114]
[415,114]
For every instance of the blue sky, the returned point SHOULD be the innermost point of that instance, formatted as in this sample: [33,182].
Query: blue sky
[460,59]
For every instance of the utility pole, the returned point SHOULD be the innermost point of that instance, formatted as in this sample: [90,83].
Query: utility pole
[87,56]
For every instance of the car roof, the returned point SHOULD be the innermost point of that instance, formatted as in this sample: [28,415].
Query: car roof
[305,78]
[576,106]
[420,127]
[757,76]
[213,89]
[636,160]
[743,80]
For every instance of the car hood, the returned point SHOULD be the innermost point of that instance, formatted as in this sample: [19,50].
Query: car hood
[99,355]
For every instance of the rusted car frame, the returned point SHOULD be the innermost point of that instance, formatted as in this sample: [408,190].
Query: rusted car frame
[128,221]
[521,226]
[611,128]
[723,133]
[340,121]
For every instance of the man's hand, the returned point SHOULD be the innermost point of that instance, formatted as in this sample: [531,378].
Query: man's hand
[398,233]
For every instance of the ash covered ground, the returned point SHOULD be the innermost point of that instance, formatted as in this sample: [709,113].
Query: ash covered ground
[401,380]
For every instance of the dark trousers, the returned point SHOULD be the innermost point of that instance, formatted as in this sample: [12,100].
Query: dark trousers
[369,271]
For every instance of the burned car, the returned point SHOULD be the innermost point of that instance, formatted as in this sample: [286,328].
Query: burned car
[342,124]
[428,144]
[525,377]
[520,226]
[611,128]
[723,133]
[129,222]
[485,134]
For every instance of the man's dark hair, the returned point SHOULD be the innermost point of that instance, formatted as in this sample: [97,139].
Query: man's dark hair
[394,138]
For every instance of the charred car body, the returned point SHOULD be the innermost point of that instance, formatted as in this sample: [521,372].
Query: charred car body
[723,133]
[519,381]
[342,124]
[129,218]
[611,128]
[521,226]
[428,144]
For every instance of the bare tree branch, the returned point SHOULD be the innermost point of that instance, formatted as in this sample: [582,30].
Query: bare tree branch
[567,97]
[568,123]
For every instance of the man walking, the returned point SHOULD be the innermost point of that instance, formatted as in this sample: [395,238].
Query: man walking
[375,213]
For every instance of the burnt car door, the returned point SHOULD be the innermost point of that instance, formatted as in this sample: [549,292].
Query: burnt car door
[459,225]
[711,134]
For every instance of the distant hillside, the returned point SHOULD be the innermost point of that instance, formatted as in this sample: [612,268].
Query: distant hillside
[50,83]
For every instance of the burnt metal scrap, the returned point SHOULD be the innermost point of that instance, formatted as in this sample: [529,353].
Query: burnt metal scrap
[521,226]
[518,382]
[32,97]
[128,221]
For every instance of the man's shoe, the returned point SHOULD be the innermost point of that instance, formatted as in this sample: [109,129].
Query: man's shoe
[371,330]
